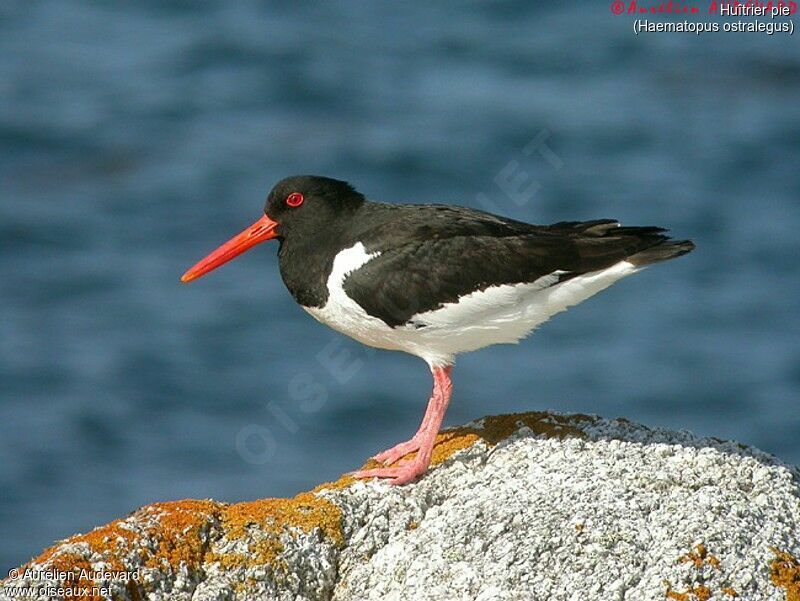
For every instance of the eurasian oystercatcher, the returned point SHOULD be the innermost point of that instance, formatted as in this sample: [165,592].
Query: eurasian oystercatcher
[433,280]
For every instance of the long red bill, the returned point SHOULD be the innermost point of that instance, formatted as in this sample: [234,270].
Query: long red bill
[261,231]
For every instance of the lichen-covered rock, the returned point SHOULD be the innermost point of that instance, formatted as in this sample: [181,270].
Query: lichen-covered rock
[529,506]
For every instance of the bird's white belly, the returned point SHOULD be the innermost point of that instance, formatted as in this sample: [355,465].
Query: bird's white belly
[496,315]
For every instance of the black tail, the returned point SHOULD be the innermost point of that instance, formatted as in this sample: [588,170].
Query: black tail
[663,251]
[642,245]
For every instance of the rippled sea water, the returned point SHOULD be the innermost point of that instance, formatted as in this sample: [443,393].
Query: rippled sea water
[137,136]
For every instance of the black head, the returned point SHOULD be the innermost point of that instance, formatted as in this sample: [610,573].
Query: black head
[310,203]
[306,210]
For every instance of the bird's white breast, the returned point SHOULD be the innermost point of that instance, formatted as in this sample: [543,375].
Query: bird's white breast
[341,312]
[498,314]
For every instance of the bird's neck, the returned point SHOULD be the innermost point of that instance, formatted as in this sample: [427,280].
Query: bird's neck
[306,261]
[306,258]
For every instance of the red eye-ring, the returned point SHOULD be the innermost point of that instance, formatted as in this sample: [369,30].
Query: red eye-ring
[295,199]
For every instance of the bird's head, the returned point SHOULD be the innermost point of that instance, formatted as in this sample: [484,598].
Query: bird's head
[301,205]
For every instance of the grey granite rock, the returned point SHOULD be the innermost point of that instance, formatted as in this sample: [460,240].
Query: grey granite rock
[532,506]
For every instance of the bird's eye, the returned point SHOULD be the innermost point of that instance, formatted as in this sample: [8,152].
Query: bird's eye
[295,199]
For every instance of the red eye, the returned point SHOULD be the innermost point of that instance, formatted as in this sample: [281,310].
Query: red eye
[295,199]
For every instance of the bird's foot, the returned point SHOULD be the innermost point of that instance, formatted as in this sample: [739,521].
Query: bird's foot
[422,442]
[402,474]
[398,451]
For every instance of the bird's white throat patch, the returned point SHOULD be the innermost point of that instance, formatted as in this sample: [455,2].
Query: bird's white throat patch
[341,312]
[345,263]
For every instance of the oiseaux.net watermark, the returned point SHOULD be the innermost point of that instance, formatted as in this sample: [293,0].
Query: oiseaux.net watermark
[84,583]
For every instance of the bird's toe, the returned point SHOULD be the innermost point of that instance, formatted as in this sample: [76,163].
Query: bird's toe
[397,452]
[402,474]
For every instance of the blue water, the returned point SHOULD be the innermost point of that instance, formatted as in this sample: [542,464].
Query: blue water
[135,137]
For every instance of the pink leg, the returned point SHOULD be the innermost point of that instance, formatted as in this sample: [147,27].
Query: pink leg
[389,456]
[423,440]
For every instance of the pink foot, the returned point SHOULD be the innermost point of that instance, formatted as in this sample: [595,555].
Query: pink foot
[389,456]
[423,440]
[402,474]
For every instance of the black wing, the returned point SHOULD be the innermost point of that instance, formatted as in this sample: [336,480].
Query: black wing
[441,260]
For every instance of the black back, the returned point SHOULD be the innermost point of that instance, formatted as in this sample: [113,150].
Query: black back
[476,251]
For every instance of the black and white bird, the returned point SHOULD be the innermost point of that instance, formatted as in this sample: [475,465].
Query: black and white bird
[433,280]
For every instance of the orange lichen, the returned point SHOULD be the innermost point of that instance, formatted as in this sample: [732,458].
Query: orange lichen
[699,556]
[785,573]
[105,537]
[696,593]
[343,482]
[107,540]
[306,511]
[676,596]
[270,518]
[499,427]
[496,429]
[176,526]
[703,593]
[181,529]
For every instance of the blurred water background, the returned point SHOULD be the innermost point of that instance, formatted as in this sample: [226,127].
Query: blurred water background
[136,136]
